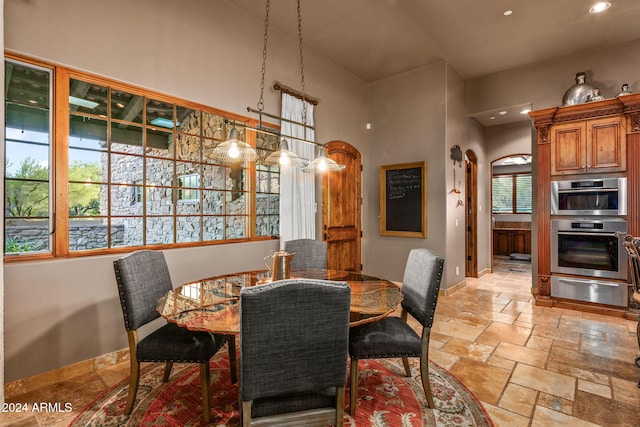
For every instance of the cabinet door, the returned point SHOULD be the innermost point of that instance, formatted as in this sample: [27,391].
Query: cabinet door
[568,148]
[521,241]
[501,242]
[606,148]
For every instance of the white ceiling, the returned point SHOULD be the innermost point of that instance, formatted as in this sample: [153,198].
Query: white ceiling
[375,39]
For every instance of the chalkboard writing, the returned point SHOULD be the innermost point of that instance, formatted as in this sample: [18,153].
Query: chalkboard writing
[402,199]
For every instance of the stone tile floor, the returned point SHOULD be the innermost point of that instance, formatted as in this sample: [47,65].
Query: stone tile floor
[530,366]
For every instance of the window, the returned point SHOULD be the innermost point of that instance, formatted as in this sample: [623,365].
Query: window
[28,176]
[189,194]
[267,189]
[511,194]
[139,170]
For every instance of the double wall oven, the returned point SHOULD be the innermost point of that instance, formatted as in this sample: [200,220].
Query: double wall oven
[588,262]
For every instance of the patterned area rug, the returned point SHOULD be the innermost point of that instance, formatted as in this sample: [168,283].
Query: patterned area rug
[386,398]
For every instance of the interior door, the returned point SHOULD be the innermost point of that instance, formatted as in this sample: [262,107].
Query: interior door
[471,215]
[341,208]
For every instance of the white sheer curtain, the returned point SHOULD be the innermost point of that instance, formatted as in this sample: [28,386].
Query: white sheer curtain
[297,188]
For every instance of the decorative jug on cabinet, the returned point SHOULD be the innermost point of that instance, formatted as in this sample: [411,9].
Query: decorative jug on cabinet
[281,265]
[579,93]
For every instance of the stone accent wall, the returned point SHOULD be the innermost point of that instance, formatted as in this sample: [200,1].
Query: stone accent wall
[83,235]
[218,210]
[217,198]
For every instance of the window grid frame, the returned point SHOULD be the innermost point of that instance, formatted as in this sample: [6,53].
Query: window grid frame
[59,181]
[514,190]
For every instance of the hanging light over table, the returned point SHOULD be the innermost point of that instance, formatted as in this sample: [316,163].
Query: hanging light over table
[283,157]
[234,150]
[323,164]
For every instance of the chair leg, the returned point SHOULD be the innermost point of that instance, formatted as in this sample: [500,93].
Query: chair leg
[205,380]
[340,406]
[407,368]
[637,361]
[233,361]
[424,376]
[424,367]
[245,413]
[167,371]
[134,377]
[353,392]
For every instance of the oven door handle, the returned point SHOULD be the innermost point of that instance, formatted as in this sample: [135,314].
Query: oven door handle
[588,282]
[586,233]
[589,190]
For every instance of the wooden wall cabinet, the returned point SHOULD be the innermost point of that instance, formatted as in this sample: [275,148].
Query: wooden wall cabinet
[590,146]
[507,242]
[601,138]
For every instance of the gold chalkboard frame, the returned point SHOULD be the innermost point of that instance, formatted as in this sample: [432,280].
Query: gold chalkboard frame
[422,233]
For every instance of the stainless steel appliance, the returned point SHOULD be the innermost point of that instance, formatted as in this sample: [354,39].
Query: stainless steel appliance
[590,290]
[605,196]
[588,247]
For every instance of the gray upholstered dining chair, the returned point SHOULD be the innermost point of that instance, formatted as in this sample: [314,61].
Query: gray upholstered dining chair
[309,254]
[393,336]
[632,247]
[293,352]
[143,278]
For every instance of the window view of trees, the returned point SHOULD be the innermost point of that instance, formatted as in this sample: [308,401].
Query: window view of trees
[139,169]
[511,194]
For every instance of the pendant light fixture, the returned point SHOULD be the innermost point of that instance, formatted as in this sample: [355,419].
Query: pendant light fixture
[233,150]
[323,164]
[283,157]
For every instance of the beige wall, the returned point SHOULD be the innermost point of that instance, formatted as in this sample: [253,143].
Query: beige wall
[544,84]
[466,133]
[63,311]
[417,116]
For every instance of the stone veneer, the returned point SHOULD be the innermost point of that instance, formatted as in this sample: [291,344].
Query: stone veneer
[219,213]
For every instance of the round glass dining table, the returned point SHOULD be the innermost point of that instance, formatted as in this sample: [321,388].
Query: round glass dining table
[212,304]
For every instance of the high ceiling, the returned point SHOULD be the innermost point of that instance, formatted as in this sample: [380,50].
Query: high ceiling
[375,39]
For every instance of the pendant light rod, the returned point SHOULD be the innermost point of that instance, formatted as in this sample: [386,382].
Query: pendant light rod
[267,131]
[282,88]
[273,116]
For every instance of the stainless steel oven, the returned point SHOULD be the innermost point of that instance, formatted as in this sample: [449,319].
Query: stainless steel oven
[605,196]
[588,247]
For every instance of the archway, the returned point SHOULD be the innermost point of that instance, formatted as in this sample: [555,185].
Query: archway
[511,205]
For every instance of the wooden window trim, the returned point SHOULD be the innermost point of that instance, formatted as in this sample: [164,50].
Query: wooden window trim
[60,160]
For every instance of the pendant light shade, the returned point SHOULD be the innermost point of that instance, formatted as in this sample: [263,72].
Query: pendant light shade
[234,150]
[283,157]
[323,164]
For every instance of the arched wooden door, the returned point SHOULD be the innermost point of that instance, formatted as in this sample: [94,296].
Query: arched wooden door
[341,208]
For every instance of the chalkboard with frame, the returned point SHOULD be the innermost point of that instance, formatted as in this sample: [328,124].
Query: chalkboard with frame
[403,200]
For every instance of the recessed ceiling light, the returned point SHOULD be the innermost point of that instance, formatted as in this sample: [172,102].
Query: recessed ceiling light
[502,113]
[492,118]
[600,7]
[507,12]
[525,111]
